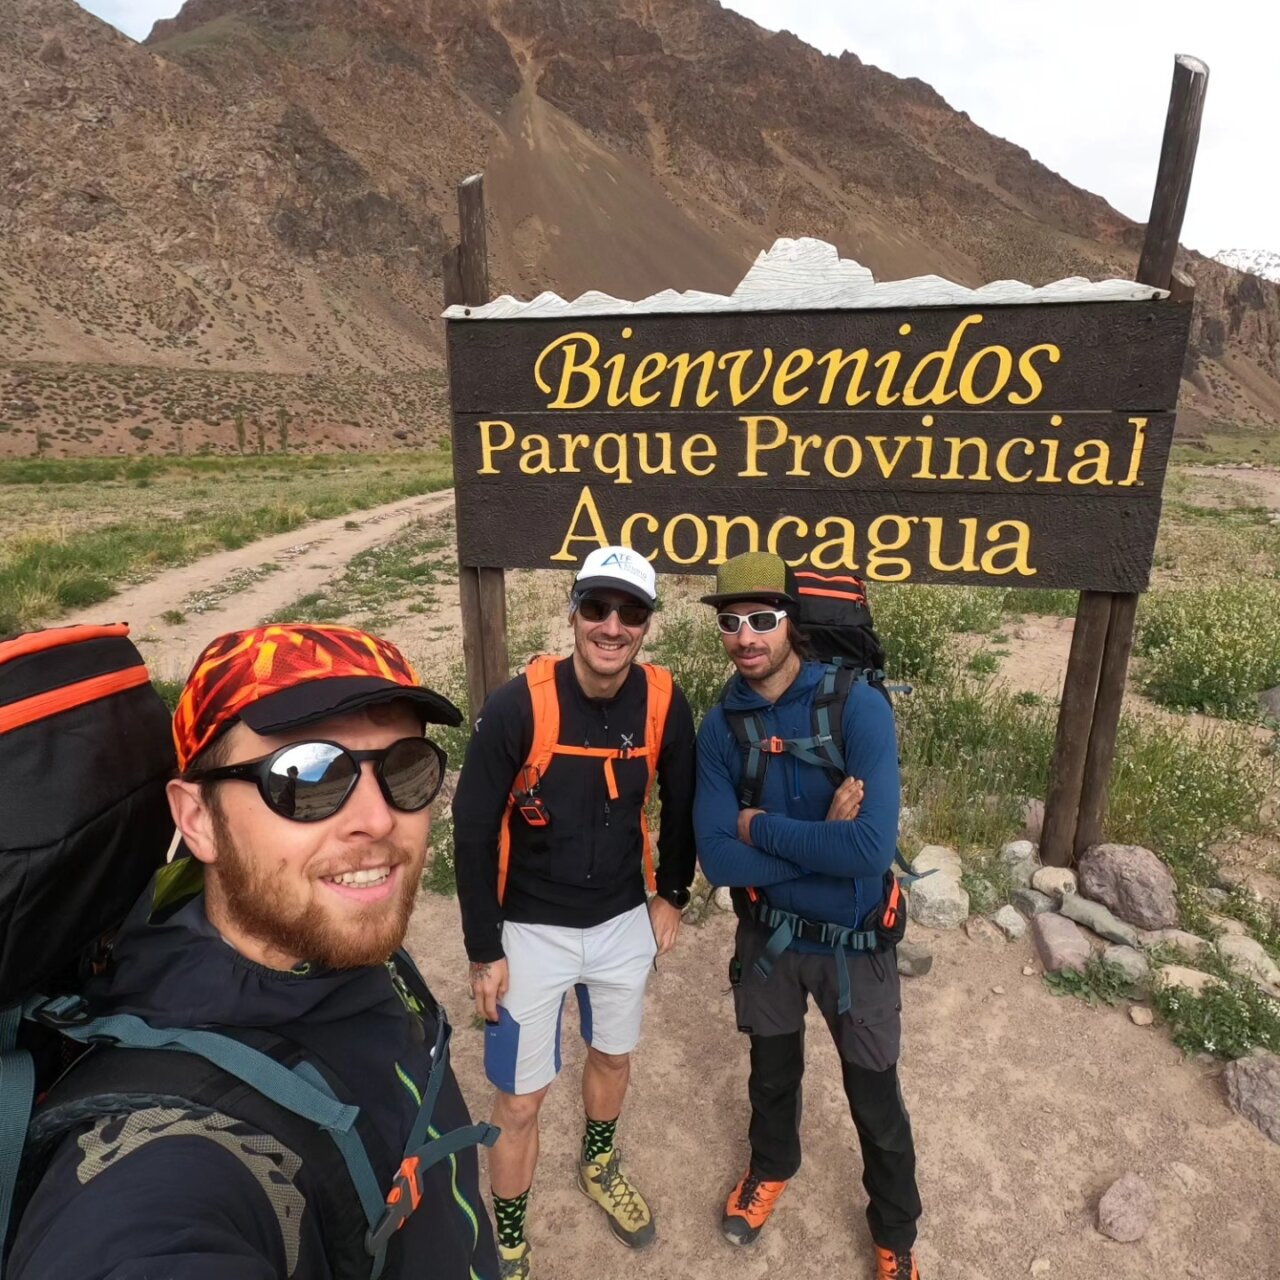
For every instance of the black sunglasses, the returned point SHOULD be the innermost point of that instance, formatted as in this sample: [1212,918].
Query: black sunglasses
[630,614]
[311,781]
[761,623]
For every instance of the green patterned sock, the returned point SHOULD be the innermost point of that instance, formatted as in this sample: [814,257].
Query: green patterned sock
[510,1216]
[598,1138]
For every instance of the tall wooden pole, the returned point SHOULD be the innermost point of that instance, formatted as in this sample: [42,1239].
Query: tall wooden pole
[481,590]
[1084,750]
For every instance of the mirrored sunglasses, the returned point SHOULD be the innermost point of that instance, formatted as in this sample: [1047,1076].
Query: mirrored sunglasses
[761,623]
[631,614]
[311,781]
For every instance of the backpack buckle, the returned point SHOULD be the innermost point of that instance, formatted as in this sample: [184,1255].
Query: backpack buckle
[403,1198]
[774,746]
[62,1012]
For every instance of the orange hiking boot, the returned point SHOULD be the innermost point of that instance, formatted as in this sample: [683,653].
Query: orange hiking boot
[750,1204]
[896,1266]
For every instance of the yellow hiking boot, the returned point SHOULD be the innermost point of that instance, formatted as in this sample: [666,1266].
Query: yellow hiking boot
[513,1264]
[629,1218]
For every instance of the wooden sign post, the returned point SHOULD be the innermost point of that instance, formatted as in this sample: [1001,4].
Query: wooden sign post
[481,588]
[1092,694]
[910,431]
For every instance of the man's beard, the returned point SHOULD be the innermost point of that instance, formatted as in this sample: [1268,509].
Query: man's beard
[253,901]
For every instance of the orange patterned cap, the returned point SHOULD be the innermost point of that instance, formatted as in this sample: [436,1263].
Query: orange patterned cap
[292,674]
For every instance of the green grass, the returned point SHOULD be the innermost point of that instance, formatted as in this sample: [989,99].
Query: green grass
[1051,600]
[971,751]
[379,580]
[1226,1021]
[59,553]
[440,873]
[1211,648]
[1100,983]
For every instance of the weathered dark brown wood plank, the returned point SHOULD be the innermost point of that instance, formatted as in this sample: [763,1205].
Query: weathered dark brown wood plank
[481,590]
[1075,541]
[1083,807]
[1119,356]
[1079,694]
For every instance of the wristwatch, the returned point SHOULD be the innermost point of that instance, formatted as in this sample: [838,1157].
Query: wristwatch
[679,898]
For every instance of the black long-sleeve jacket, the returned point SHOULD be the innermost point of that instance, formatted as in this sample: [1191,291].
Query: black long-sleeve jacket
[586,865]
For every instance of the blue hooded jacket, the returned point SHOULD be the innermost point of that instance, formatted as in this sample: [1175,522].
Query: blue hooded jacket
[828,871]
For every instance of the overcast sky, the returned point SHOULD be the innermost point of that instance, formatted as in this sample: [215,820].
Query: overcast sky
[1083,86]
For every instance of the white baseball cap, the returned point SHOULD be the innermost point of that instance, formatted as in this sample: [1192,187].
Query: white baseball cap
[621,569]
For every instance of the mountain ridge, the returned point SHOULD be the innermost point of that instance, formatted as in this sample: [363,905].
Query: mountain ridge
[263,188]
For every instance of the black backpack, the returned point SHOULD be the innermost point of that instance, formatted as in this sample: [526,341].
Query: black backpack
[835,619]
[85,752]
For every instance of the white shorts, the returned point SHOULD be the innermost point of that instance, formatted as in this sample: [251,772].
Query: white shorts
[607,965]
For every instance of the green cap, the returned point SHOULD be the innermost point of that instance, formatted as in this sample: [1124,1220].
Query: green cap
[754,575]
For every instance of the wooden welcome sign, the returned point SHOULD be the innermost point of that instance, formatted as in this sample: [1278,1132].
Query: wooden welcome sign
[912,431]
[975,444]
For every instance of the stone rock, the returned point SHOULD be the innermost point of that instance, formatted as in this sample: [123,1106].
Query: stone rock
[980,929]
[1185,1174]
[724,898]
[1130,961]
[1191,943]
[1039,1266]
[997,991]
[1021,859]
[1176,975]
[939,859]
[1031,902]
[1033,818]
[1133,882]
[1249,959]
[1057,882]
[1060,944]
[1028,971]
[1010,923]
[1269,703]
[1225,924]
[938,902]
[1140,1015]
[906,819]
[1093,915]
[52,51]
[914,958]
[1253,1090]
[1126,1209]
[1215,897]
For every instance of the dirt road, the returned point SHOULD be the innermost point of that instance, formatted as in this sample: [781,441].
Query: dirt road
[236,589]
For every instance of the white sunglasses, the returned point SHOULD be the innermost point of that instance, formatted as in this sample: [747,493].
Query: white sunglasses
[761,623]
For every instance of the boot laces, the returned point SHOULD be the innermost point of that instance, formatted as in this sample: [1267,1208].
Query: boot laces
[622,1195]
[749,1191]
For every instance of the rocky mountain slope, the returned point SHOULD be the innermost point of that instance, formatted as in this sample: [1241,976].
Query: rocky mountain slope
[264,188]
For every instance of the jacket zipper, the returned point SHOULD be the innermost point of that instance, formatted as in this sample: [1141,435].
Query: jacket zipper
[55,701]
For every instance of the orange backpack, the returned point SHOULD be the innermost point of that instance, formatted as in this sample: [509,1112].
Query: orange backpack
[541,676]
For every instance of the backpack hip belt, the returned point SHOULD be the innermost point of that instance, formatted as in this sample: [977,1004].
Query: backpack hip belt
[787,927]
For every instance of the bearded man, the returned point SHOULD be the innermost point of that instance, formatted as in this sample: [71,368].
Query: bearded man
[303,800]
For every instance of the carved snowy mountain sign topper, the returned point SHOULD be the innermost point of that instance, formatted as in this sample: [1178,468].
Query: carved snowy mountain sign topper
[911,430]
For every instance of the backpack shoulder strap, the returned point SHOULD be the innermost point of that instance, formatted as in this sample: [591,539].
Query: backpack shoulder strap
[828,717]
[111,1081]
[17,1089]
[540,675]
[661,690]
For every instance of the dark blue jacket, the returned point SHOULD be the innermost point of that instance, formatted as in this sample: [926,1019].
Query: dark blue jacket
[178,1195]
[830,871]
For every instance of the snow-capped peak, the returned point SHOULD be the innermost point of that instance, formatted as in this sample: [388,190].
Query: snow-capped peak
[1258,262]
